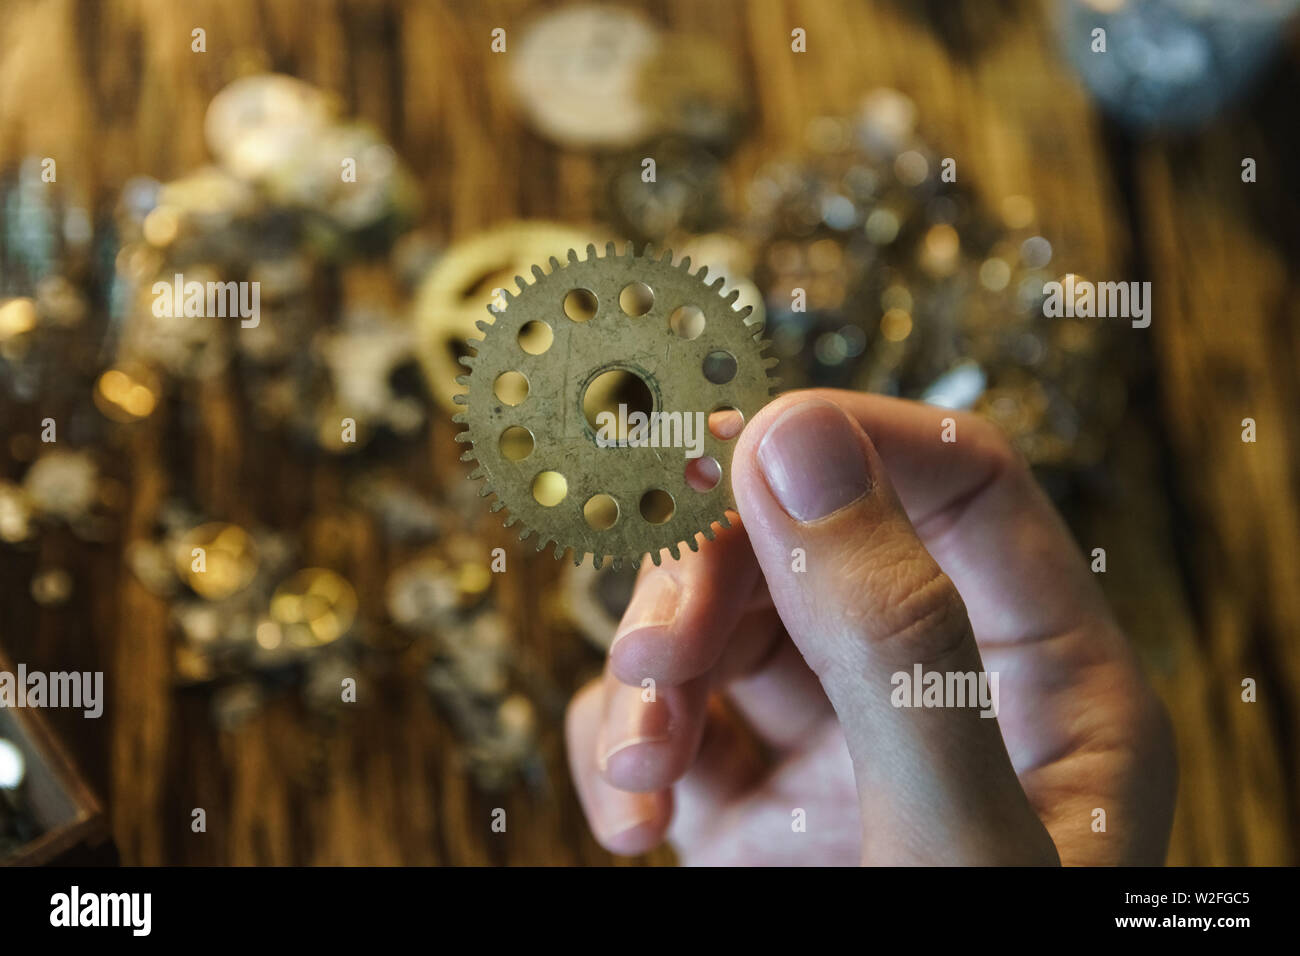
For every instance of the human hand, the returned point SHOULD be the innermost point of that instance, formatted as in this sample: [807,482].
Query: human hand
[917,551]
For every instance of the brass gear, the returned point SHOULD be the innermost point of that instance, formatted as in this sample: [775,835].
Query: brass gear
[672,367]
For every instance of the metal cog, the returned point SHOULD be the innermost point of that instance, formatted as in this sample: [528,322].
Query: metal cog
[672,367]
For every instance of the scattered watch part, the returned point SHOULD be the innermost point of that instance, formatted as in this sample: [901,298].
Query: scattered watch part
[575,73]
[693,87]
[404,514]
[127,393]
[16,518]
[258,123]
[594,600]
[237,703]
[314,607]
[227,561]
[63,484]
[51,587]
[689,193]
[361,355]
[153,566]
[322,689]
[13,766]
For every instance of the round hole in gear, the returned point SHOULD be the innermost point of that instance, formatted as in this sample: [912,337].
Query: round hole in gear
[516,443]
[535,337]
[610,389]
[703,474]
[550,488]
[601,512]
[725,422]
[511,387]
[657,506]
[687,322]
[720,367]
[581,305]
[636,299]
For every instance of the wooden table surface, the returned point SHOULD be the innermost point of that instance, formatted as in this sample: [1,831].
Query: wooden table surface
[1202,531]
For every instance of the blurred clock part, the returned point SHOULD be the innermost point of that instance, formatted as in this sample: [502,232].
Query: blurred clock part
[1171,63]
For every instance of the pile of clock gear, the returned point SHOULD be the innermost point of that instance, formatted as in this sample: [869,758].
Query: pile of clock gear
[849,260]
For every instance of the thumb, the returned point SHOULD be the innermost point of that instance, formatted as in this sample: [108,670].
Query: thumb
[866,604]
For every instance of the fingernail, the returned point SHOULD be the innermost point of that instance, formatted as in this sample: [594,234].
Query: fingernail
[654,604]
[630,720]
[813,461]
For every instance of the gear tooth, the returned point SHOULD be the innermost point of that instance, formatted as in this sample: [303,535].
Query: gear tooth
[611,250]
[459,418]
[496,506]
[542,542]
[482,326]
[591,251]
[731,297]
[709,533]
[573,254]
[467,456]
[510,522]
[597,559]
[478,473]
[667,256]
[522,283]
[462,380]
[484,491]
[629,250]
[461,436]
[538,274]
[724,521]
[675,552]
[656,558]
[617,563]
[772,362]
[745,312]
[559,552]
[460,399]
[523,535]
[466,360]
[717,283]
[647,248]
[577,558]
[555,263]
[693,543]
[685,264]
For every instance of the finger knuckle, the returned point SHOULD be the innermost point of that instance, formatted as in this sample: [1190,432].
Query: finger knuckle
[920,616]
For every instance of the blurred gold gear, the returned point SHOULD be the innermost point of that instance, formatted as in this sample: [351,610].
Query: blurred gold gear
[716,365]
[465,281]
[314,607]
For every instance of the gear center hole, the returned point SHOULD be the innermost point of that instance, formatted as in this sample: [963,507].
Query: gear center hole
[611,398]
